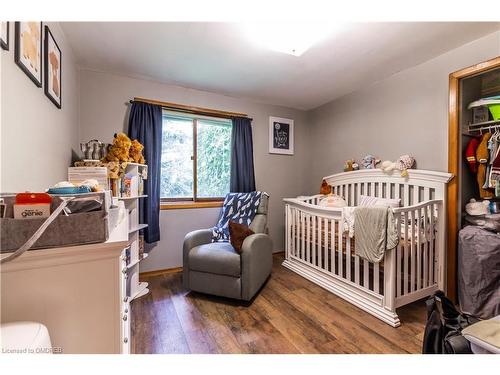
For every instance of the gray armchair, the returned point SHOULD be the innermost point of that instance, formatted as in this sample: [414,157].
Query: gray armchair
[216,268]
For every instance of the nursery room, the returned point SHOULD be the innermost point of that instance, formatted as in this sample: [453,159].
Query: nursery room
[253,187]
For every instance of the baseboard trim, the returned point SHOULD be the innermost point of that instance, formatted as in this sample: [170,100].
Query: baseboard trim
[160,272]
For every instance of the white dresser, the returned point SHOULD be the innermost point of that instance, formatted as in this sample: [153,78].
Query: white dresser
[77,292]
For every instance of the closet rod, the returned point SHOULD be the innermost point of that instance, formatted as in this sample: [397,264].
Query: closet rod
[482,128]
[191,109]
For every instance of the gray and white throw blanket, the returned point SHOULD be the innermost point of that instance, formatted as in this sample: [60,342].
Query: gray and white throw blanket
[238,207]
[375,232]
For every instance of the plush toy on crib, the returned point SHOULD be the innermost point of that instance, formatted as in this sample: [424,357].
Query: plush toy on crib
[404,163]
[350,165]
[325,188]
[370,161]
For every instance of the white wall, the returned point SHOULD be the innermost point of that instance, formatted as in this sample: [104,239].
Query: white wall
[104,107]
[406,113]
[37,138]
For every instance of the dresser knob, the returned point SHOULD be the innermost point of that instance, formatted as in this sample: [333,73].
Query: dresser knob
[125,340]
[126,311]
[124,318]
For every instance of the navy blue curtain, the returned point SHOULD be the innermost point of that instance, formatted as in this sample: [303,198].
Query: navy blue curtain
[242,171]
[145,122]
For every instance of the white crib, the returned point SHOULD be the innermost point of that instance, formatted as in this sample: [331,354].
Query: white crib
[317,249]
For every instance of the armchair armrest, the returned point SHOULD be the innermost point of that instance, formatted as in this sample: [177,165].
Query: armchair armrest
[256,263]
[193,239]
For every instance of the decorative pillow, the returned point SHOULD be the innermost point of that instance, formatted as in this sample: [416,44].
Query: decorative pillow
[368,201]
[238,207]
[332,200]
[237,234]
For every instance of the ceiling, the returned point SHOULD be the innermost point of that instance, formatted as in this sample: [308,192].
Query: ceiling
[218,57]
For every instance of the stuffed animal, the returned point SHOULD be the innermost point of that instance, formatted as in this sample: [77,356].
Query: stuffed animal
[325,188]
[135,152]
[370,161]
[350,165]
[404,163]
[119,150]
[475,208]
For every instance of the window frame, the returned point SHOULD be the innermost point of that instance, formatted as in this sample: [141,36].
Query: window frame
[194,201]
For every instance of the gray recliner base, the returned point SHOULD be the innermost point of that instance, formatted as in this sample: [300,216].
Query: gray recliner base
[220,285]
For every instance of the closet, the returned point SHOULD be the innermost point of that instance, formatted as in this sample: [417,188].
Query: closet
[466,86]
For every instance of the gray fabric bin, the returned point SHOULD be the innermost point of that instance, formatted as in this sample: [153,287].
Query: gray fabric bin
[74,229]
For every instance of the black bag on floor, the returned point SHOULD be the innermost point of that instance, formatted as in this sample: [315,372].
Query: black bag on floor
[443,331]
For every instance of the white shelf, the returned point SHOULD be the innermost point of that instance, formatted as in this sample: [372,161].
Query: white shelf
[129,198]
[141,291]
[144,256]
[138,228]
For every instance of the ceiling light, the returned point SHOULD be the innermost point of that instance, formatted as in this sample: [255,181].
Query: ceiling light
[293,38]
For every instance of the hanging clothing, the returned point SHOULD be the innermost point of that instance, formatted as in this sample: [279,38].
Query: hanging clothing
[470,154]
[482,156]
[145,123]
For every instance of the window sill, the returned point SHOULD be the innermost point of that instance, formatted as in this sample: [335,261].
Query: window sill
[188,205]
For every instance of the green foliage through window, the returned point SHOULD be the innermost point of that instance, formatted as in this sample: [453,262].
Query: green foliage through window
[213,157]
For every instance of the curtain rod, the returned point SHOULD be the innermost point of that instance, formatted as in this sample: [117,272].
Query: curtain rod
[191,109]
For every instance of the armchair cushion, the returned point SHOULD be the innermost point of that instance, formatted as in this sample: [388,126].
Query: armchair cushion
[237,234]
[218,258]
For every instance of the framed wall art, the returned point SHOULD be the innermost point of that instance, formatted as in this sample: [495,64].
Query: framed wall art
[4,35]
[53,68]
[28,49]
[280,136]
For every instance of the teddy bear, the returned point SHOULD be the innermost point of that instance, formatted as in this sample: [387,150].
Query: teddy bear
[403,163]
[119,150]
[370,161]
[325,188]
[135,152]
[351,165]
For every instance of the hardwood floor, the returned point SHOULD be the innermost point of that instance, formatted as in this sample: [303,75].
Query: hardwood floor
[289,315]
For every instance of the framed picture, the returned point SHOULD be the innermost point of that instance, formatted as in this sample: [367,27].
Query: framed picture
[4,35]
[52,64]
[28,49]
[280,136]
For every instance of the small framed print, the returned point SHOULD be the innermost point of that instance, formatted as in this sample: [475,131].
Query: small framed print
[280,136]
[52,62]
[28,49]
[4,35]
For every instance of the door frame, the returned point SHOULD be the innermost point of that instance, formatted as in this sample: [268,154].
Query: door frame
[454,164]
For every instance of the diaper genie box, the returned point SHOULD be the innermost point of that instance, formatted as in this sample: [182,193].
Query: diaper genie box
[32,206]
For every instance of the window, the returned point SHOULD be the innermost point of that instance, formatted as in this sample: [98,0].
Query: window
[195,158]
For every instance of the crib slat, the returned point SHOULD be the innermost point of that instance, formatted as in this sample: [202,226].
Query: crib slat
[412,250]
[416,195]
[320,247]
[314,244]
[397,191]
[425,250]
[405,258]
[332,244]
[308,238]
[376,277]
[358,193]
[431,243]
[303,236]
[348,258]
[339,251]
[406,195]
[419,248]
[388,190]
[325,236]
[398,257]
[356,269]
[366,283]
